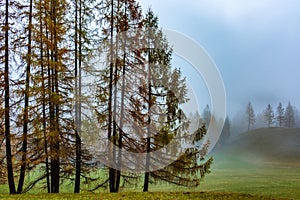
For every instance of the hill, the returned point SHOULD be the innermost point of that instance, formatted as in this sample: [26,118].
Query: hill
[274,144]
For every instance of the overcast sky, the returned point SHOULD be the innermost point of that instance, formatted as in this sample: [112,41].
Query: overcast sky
[255,45]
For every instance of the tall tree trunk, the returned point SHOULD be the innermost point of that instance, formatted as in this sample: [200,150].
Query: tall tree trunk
[115,77]
[78,139]
[10,174]
[51,107]
[77,97]
[120,139]
[26,105]
[111,170]
[118,179]
[51,112]
[44,97]
[55,176]
[147,173]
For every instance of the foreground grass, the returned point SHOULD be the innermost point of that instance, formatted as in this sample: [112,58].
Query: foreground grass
[278,179]
[139,195]
[232,177]
[248,175]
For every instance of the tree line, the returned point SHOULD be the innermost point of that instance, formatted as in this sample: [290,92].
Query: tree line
[248,119]
[47,49]
[281,117]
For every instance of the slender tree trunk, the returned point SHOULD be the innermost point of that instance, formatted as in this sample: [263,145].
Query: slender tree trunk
[115,104]
[55,105]
[77,96]
[118,179]
[79,91]
[114,135]
[51,108]
[10,174]
[111,170]
[51,112]
[56,162]
[44,96]
[147,173]
[26,105]
[44,128]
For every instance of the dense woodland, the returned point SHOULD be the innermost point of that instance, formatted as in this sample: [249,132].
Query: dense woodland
[48,49]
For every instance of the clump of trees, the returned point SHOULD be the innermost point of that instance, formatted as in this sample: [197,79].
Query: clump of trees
[283,117]
[46,48]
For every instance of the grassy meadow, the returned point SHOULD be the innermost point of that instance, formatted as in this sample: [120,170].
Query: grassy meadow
[237,173]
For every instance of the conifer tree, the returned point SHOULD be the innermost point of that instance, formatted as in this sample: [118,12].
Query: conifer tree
[269,115]
[121,18]
[206,115]
[280,115]
[289,117]
[250,115]
[52,124]
[85,38]
[164,93]
[6,59]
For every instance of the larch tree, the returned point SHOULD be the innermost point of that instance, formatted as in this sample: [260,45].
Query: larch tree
[85,38]
[121,17]
[60,83]
[6,28]
[52,123]
[26,108]
[3,170]
[139,95]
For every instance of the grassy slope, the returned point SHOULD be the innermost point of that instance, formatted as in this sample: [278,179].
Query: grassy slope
[270,144]
[263,161]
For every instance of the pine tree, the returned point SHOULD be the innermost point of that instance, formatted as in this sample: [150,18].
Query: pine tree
[269,115]
[289,117]
[280,115]
[206,115]
[250,115]
[157,111]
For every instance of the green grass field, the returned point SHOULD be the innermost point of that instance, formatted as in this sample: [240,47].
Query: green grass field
[140,195]
[231,178]
[247,176]
[236,174]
